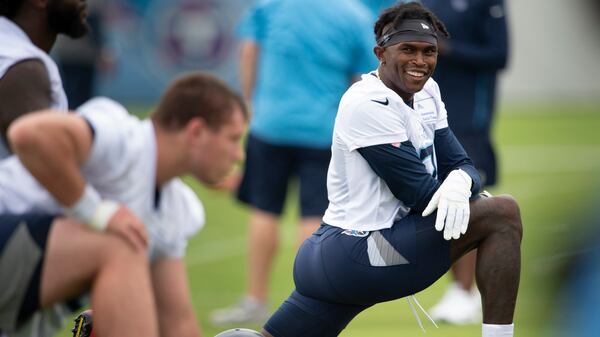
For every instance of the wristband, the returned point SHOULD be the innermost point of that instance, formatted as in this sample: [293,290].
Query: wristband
[105,210]
[92,210]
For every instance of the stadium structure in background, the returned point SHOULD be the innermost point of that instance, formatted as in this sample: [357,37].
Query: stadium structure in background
[154,40]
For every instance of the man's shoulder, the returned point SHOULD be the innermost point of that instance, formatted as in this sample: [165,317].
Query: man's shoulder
[366,88]
[17,47]
[370,108]
[105,106]
[17,54]
[183,206]
[120,139]
[369,92]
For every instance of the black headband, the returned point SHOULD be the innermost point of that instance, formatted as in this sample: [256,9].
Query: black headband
[409,30]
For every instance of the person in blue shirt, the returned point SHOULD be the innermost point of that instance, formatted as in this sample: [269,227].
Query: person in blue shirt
[377,6]
[578,306]
[297,59]
[467,70]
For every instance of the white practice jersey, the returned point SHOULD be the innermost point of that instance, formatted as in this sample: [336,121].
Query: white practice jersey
[121,167]
[15,46]
[372,114]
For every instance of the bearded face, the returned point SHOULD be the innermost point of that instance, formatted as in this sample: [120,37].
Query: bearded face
[68,17]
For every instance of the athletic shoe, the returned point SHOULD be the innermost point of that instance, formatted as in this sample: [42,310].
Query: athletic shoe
[83,325]
[247,311]
[458,306]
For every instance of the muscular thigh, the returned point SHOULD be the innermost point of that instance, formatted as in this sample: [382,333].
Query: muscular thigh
[364,268]
[302,316]
[74,254]
[485,213]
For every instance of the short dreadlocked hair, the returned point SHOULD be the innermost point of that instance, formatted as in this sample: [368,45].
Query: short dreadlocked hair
[408,11]
[9,8]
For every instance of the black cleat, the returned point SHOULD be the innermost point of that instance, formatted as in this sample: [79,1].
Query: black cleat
[83,325]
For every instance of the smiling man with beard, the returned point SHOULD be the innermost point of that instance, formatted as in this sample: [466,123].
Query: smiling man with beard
[394,163]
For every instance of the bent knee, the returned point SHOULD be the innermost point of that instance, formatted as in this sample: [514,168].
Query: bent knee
[507,209]
[117,251]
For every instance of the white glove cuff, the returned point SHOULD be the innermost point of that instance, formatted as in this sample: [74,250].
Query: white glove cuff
[465,176]
[92,210]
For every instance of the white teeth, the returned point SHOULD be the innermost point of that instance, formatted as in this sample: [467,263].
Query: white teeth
[415,73]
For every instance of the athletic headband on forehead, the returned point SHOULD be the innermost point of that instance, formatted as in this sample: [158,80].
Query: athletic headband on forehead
[409,30]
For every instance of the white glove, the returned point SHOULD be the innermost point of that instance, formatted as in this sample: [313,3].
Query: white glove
[452,203]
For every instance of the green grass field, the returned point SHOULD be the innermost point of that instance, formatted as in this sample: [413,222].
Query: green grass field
[550,160]
[550,157]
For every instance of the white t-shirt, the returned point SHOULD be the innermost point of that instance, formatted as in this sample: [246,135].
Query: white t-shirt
[16,47]
[121,167]
[372,114]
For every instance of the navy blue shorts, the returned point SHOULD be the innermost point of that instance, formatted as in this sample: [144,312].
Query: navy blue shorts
[269,169]
[338,273]
[22,246]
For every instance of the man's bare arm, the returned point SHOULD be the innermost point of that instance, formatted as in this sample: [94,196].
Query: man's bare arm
[248,67]
[24,88]
[53,146]
[173,299]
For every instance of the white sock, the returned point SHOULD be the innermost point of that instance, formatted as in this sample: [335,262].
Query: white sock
[497,330]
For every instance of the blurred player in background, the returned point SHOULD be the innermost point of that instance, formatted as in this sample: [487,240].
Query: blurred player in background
[29,80]
[398,178]
[578,308]
[80,61]
[298,57]
[115,177]
[576,269]
[467,71]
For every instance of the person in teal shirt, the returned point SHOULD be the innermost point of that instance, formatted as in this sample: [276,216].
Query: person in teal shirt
[297,59]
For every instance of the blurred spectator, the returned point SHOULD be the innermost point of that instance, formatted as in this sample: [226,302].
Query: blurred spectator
[298,57]
[80,60]
[578,307]
[466,72]
[377,6]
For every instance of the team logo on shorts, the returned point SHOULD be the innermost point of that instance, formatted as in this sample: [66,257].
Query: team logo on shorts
[355,232]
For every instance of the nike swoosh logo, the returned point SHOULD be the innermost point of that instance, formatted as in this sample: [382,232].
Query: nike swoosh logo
[382,102]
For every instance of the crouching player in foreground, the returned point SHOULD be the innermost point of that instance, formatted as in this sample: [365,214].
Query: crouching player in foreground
[128,216]
[394,162]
